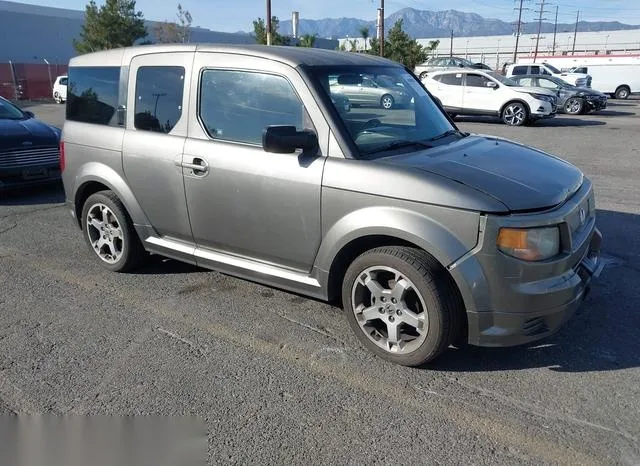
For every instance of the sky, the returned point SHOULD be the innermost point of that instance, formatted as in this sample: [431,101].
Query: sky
[238,15]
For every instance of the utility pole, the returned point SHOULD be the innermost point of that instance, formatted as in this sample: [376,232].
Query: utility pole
[535,53]
[268,22]
[515,51]
[382,28]
[451,45]
[575,33]
[555,30]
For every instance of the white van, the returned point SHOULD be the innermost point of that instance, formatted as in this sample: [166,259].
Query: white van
[616,75]
[60,89]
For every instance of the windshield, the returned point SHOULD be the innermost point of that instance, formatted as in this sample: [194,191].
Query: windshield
[506,81]
[552,68]
[8,111]
[383,109]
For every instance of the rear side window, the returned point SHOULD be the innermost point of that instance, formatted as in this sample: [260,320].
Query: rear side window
[238,105]
[535,70]
[92,94]
[519,70]
[159,92]
[452,79]
[63,81]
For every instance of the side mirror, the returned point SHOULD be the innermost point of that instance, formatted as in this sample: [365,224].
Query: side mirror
[29,114]
[287,139]
[492,85]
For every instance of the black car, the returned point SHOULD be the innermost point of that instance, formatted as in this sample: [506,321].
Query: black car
[571,99]
[29,148]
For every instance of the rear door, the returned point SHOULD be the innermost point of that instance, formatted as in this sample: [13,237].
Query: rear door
[450,89]
[154,139]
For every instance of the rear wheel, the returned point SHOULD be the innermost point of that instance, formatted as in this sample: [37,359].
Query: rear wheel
[401,304]
[423,75]
[623,92]
[574,106]
[514,114]
[57,98]
[109,232]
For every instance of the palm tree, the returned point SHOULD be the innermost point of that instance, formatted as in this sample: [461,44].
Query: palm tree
[364,33]
[307,40]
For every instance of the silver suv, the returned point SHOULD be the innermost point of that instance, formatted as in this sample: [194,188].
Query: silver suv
[235,158]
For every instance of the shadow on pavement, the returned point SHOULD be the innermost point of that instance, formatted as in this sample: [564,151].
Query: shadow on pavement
[601,336]
[612,113]
[568,121]
[159,265]
[50,193]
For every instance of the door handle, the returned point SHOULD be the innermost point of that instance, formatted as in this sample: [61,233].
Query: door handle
[199,166]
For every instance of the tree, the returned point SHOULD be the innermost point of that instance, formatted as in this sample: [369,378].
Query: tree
[364,33]
[307,40]
[115,24]
[260,32]
[353,45]
[400,47]
[175,32]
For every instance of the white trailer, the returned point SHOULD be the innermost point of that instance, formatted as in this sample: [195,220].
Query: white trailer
[616,75]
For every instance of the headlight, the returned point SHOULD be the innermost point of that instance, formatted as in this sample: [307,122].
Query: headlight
[533,244]
[544,97]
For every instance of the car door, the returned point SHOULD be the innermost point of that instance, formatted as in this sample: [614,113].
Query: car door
[449,89]
[371,93]
[481,94]
[156,127]
[244,202]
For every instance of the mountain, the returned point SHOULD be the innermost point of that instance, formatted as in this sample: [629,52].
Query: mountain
[425,24]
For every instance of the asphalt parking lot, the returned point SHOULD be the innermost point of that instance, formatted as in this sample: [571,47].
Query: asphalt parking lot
[281,379]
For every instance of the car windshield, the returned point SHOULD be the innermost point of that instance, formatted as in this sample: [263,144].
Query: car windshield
[552,68]
[8,111]
[502,79]
[394,114]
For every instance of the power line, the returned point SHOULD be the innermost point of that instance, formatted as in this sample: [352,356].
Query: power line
[515,50]
[541,12]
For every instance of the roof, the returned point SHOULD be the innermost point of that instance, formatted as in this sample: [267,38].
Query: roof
[293,56]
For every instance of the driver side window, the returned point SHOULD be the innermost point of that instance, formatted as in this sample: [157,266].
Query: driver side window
[547,83]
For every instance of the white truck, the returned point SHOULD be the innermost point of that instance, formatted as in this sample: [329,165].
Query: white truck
[617,75]
[523,68]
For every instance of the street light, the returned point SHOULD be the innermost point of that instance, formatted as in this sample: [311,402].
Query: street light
[48,69]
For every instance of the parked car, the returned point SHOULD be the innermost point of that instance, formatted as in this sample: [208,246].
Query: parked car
[476,92]
[60,89]
[571,99]
[546,69]
[29,148]
[427,235]
[369,90]
[442,63]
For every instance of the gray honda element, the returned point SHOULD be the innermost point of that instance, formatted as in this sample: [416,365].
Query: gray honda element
[235,158]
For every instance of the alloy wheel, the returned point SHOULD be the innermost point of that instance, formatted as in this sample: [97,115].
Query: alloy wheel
[389,309]
[105,233]
[573,106]
[514,114]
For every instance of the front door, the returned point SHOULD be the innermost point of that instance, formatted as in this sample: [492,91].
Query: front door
[244,201]
[479,97]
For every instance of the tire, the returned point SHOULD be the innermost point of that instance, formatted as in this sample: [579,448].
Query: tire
[453,116]
[119,249]
[423,75]
[514,114]
[574,106]
[416,293]
[57,98]
[623,92]
[387,102]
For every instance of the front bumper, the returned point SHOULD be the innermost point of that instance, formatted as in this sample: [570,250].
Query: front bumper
[596,104]
[31,176]
[543,109]
[500,329]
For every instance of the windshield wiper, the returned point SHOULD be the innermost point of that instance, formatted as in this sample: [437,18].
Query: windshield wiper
[399,145]
[447,133]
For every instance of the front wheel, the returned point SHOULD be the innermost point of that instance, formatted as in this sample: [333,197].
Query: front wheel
[109,232]
[57,98]
[514,114]
[402,305]
[574,106]
[387,102]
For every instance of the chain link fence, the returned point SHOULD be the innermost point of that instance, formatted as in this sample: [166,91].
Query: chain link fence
[29,81]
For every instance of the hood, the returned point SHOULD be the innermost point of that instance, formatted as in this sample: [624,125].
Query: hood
[535,90]
[520,177]
[30,132]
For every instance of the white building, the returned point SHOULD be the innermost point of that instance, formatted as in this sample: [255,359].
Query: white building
[497,50]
